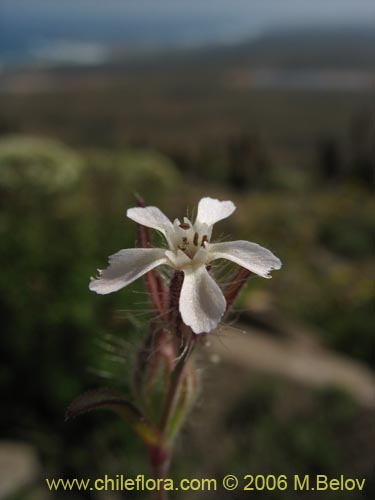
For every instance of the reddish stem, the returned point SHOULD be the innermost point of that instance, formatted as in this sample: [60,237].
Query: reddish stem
[159,459]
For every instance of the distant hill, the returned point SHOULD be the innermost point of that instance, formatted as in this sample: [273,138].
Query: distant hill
[351,47]
[344,47]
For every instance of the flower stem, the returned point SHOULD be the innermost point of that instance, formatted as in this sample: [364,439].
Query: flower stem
[160,459]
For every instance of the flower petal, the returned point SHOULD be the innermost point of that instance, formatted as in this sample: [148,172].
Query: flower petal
[211,210]
[202,303]
[151,217]
[249,255]
[178,259]
[125,267]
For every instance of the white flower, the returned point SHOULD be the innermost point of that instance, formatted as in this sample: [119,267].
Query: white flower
[202,303]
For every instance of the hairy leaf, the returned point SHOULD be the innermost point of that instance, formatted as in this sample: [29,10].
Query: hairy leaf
[108,399]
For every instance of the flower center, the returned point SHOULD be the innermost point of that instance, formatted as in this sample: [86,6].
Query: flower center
[188,239]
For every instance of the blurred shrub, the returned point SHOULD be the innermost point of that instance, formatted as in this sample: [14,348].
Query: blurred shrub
[30,162]
[325,242]
[349,236]
[61,217]
[145,171]
[287,178]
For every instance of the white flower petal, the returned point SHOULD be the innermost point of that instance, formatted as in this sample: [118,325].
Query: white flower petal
[202,303]
[211,211]
[125,267]
[201,257]
[178,259]
[151,217]
[249,255]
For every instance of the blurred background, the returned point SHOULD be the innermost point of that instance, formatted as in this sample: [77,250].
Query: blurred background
[270,104]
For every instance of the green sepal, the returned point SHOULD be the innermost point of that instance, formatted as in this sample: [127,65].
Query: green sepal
[183,406]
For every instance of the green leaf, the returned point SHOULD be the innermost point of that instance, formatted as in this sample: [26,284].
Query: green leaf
[108,399]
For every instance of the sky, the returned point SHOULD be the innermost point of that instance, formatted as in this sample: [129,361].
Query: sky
[341,8]
[29,24]
[318,9]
